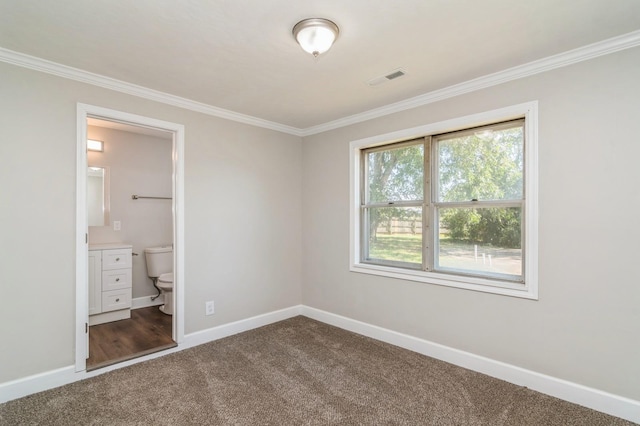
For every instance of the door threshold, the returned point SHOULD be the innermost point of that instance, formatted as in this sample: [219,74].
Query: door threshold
[130,356]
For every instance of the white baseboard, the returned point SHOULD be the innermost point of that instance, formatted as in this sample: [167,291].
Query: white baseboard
[145,302]
[592,398]
[62,376]
[36,383]
[578,394]
[226,330]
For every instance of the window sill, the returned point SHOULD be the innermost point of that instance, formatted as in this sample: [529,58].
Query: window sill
[483,285]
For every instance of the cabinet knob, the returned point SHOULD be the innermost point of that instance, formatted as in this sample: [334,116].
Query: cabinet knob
[117,259]
[117,279]
[117,300]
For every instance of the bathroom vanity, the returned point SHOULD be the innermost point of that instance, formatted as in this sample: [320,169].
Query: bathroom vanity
[109,282]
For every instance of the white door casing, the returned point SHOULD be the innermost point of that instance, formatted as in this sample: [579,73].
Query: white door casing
[85,111]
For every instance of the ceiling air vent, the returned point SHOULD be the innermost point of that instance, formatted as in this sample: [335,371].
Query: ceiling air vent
[392,75]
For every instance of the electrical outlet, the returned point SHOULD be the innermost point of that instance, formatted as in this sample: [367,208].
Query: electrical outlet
[117,225]
[209,308]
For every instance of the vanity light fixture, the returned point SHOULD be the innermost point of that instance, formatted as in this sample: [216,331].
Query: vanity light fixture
[315,35]
[94,145]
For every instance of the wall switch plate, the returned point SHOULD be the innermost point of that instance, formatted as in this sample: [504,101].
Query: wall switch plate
[117,225]
[209,308]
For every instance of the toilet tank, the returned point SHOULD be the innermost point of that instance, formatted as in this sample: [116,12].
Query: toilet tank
[159,260]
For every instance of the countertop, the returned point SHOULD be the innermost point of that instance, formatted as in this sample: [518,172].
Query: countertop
[110,246]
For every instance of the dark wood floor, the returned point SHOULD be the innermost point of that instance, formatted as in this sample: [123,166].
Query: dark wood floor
[147,331]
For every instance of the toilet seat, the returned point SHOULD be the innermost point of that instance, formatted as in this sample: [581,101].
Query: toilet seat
[165,281]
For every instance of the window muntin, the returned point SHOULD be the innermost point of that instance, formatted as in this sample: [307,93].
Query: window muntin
[470,202]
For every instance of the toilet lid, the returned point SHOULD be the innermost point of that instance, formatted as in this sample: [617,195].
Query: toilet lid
[166,278]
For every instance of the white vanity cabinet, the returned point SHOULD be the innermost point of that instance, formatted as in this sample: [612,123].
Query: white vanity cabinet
[95,282]
[109,283]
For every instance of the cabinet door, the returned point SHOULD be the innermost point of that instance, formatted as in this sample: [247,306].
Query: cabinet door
[95,282]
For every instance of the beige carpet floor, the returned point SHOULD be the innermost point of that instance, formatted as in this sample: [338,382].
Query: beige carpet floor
[295,372]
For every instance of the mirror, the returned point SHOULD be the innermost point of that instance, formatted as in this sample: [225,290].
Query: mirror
[98,195]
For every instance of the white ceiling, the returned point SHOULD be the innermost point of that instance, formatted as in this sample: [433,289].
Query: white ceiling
[240,55]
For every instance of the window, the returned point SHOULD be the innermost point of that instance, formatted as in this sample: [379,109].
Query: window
[454,206]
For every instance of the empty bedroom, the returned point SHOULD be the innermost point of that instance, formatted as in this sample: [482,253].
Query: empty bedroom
[320,212]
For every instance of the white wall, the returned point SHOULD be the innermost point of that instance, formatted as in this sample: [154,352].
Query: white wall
[242,216]
[585,326]
[142,165]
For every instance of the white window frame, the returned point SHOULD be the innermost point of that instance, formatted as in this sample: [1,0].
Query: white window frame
[528,289]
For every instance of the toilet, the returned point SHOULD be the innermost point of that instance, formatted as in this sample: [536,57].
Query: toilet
[160,270]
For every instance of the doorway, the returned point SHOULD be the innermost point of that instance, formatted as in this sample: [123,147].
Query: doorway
[121,121]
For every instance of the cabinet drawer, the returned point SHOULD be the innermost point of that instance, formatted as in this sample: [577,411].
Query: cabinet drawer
[116,259]
[116,299]
[116,279]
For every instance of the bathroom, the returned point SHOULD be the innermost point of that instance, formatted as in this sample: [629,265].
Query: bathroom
[133,166]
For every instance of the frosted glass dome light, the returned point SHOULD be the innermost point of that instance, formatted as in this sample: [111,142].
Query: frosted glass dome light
[315,35]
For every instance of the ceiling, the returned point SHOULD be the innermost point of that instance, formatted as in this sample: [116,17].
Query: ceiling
[240,55]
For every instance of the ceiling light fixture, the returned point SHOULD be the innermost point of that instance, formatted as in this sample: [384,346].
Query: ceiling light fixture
[315,35]
[94,145]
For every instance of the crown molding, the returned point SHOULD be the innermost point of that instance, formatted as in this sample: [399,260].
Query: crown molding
[560,60]
[570,57]
[43,65]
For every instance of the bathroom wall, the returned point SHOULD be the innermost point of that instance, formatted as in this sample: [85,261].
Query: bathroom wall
[242,216]
[138,164]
